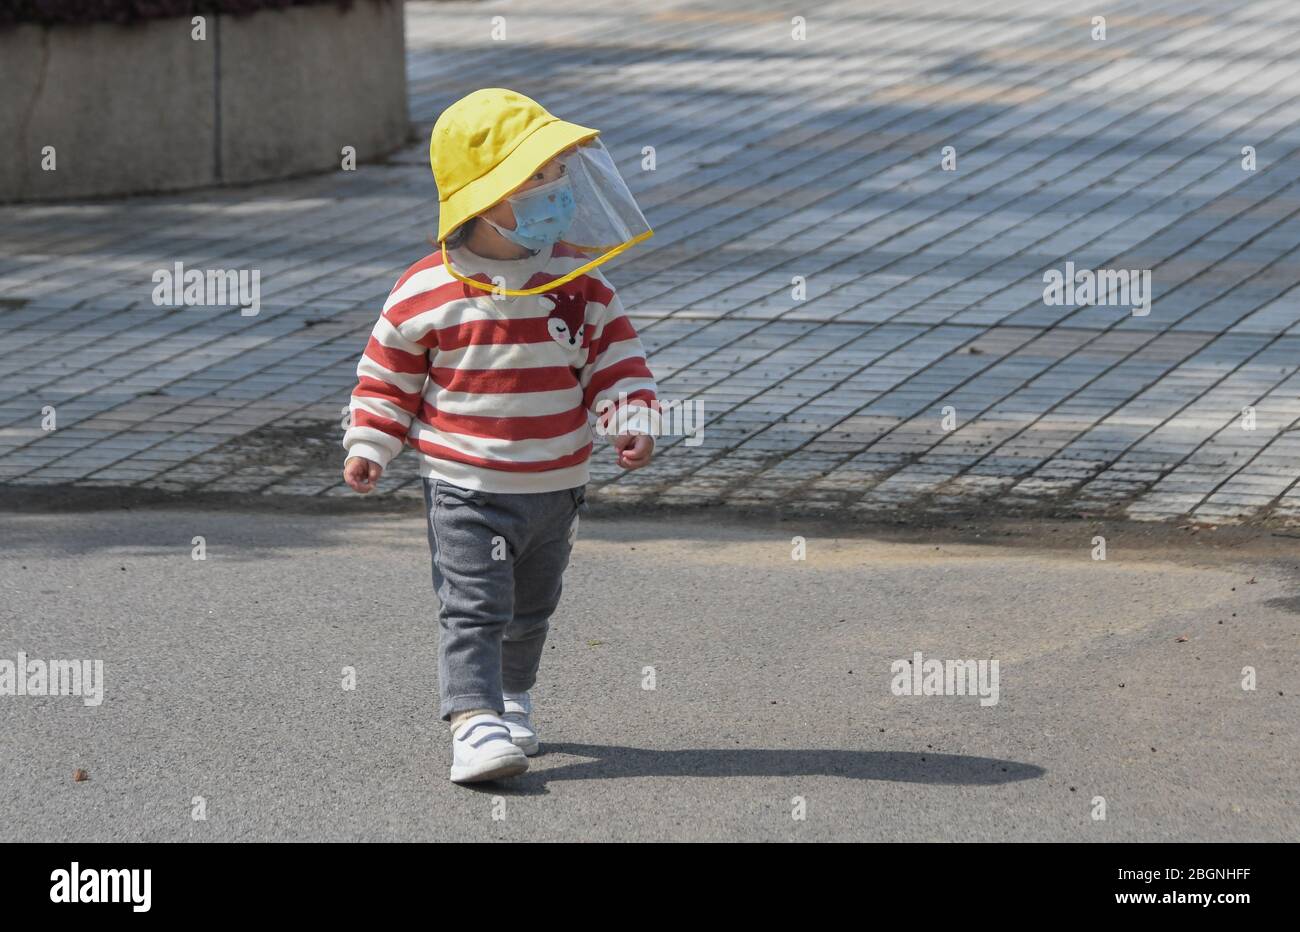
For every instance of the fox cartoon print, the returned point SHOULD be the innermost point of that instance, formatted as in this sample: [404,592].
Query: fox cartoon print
[567,324]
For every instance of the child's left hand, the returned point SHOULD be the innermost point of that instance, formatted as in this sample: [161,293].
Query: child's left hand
[633,450]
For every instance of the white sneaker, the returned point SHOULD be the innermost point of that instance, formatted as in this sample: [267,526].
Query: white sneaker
[481,749]
[518,718]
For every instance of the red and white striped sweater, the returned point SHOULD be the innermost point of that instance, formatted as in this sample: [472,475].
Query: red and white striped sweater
[495,392]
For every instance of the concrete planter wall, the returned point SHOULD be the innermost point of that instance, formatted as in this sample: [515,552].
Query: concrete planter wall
[147,108]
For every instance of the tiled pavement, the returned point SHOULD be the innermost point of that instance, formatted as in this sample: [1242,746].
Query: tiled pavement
[776,158]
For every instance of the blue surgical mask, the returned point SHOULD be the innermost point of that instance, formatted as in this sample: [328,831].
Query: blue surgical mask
[542,215]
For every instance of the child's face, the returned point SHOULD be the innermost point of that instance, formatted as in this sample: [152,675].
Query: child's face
[500,212]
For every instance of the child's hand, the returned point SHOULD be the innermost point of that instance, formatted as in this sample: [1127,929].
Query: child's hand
[634,450]
[361,474]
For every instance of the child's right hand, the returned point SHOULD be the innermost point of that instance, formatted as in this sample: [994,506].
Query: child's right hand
[361,474]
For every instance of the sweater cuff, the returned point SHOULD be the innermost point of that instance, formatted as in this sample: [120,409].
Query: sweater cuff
[372,452]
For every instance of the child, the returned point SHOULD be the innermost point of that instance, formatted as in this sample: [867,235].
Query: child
[487,358]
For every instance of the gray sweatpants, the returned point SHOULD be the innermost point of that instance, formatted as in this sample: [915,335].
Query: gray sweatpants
[498,564]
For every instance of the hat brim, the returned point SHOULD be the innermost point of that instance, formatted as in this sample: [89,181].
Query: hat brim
[536,150]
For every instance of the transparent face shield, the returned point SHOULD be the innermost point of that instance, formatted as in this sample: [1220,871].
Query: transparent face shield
[586,216]
[606,216]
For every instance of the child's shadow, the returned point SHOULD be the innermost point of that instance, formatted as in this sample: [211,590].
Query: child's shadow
[607,762]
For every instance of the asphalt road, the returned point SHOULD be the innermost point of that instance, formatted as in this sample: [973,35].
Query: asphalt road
[223,678]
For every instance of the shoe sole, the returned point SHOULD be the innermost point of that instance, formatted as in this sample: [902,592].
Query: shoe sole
[507,765]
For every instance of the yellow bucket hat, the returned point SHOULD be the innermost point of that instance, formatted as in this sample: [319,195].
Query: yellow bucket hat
[486,145]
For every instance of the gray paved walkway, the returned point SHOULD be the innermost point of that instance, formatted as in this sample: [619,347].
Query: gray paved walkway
[776,158]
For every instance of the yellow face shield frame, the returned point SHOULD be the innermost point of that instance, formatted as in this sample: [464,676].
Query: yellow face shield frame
[551,285]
